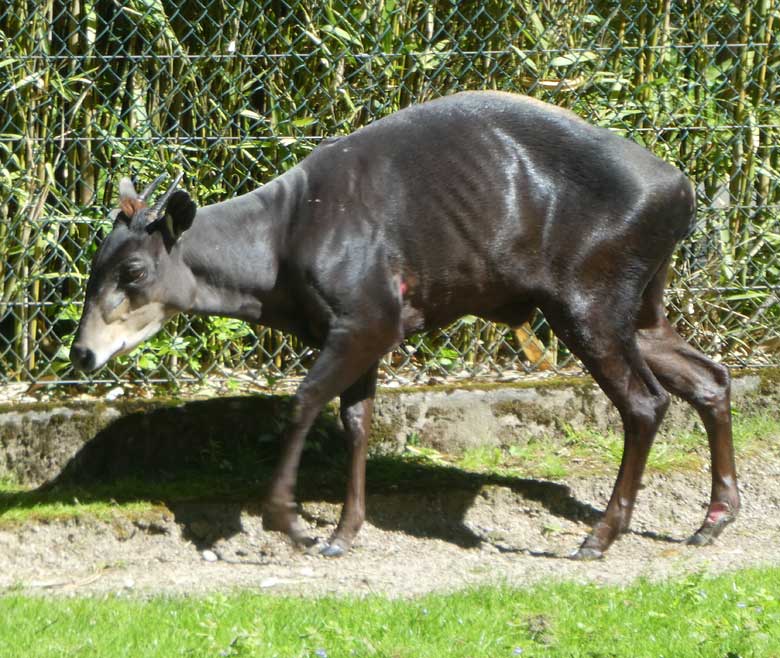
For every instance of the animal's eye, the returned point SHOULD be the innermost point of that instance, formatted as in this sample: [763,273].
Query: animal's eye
[132,273]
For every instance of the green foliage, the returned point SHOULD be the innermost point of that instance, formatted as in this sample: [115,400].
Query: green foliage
[92,89]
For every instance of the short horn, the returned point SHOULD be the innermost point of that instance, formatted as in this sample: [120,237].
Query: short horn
[163,200]
[152,186]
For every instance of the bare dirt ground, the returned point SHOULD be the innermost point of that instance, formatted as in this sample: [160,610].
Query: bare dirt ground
[433,538]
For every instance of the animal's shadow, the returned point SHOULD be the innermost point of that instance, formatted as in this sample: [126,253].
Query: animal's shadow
[210,460]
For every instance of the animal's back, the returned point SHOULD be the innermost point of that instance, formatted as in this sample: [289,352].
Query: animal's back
[493,188]
[475,154]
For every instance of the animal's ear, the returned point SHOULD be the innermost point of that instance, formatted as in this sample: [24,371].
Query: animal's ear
[178,214]
[129,201]
[127,190]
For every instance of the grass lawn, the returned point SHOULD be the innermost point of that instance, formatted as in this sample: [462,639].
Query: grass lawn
[736,615]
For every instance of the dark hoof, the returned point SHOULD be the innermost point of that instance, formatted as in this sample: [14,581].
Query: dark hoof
[332,550]
[335,548]
[709,532]
[593,547]
[302,540]
[587,553]
[287,523]
[700,538]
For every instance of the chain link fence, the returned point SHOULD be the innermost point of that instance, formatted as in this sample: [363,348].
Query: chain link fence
[235,93]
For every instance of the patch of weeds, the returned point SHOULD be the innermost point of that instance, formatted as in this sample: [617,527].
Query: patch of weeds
[483,458]
[595,451]
[753,434]
[539,629]
[590,446]
[133,497]
[20,506]
[538,459]
[534,459]
[552,529]
[553,467]
[424,454]
[214,456]
[9,483]
[589,451]
[233,385]
[668,456]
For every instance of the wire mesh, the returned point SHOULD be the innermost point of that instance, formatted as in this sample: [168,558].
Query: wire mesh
[235,93]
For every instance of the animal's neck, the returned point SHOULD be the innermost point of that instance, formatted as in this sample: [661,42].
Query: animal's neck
[234,248]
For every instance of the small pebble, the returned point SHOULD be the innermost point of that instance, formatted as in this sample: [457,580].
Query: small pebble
[270,582]
[114,393]
[209,556]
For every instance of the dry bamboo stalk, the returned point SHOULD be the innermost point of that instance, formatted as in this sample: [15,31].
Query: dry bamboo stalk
[534,349]
[764,88]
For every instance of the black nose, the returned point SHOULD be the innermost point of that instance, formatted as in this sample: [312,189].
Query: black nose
[82,358]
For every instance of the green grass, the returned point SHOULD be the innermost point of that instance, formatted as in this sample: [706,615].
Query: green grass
[754,434]
[132,497]
[736,615]
[581,452]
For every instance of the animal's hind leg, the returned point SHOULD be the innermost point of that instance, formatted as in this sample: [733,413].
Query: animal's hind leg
[357,405]
[602,336]
[704,384]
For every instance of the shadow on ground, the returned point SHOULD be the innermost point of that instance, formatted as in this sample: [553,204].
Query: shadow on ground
[209,460]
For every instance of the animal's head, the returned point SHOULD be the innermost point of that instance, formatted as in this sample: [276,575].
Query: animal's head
[132,289]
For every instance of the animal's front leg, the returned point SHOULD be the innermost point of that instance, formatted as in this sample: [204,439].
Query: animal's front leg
[279,512]
[343,358]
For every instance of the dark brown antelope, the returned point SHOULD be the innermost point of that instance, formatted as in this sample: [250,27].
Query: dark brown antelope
[479,203]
